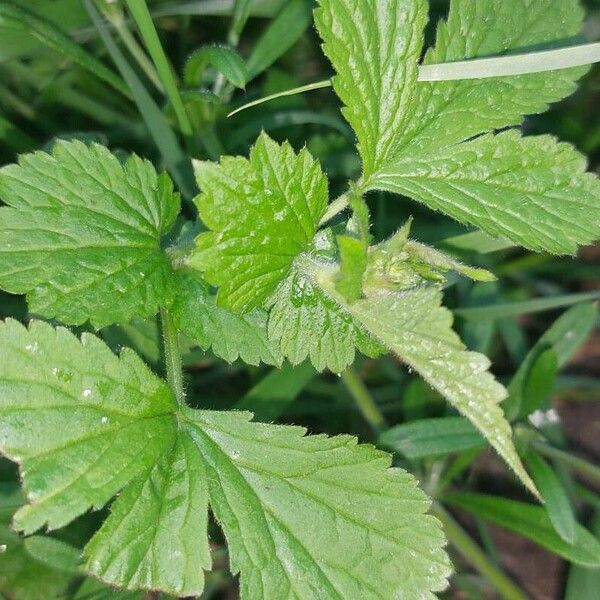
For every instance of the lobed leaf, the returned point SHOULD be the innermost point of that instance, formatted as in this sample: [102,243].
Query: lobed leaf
[85,431]
[229,335]
[262,213]
[81,230]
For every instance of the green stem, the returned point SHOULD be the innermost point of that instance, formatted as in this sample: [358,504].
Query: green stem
[141,15]
[363,399]
[574,462]
[335,208]
[472,553]
[172,355]
[115,16]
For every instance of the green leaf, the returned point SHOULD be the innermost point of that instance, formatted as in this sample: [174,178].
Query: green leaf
[374,47]
[18,18]
[262,213]
[310,318]
[432,437]
[156,535]
[81,230]
[533,190]
[100,426]
[583,584]
[449,112]
[22,575]
[223,58]
[368,537]
[229,335]
[54,553]
[80,421]
[563,338]
[557,502]
[283,32]
[532,522]
[540,382]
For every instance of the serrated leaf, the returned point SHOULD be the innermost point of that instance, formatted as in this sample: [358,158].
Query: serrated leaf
[361,542]
[156,535]
[223,58]
[370,537]
[80,421]
[454,111]
[229,335]
[81,230]
[533,190]
[374,46]
[410,323]
[262,213]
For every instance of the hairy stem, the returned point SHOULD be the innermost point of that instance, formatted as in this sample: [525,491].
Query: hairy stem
[363,399]
[172,356]
[335,208]
[472,553]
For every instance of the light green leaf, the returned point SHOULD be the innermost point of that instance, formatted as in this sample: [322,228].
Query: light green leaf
[100,426]
[80,421]
[82,230]
[409,322]
[229,335]
[533,191]
[449,112]
[223,58]
[374,46]
[531,522]
[54,553]
[156,536]
[262,213]
[368,537]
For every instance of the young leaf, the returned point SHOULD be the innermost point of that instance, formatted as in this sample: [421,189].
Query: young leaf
[262,213]
[533,190]
[80,421]
[374,46]
[223,58]
[81,230]
[229,335]
[371,537]
[531,522]
[368,537]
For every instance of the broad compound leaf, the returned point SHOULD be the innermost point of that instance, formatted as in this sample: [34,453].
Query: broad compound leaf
[409,322]
[374,46]
[305,516]
[504,185]
[80,421]
[317,517]
[229,335]
[531,190]
[262,213]
[81,234]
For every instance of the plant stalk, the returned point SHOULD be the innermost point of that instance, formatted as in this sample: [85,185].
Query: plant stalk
[143,19]
[363,399]
[473,554]
[172,355]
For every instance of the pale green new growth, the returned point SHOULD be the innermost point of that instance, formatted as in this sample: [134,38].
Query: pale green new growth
[223,58]
[81,235]
[262,213]
[230,336]
[85,425]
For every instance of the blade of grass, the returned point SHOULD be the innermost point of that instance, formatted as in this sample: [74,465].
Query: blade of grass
[21,19]
[177,162]
[510,309]
[363,399]
[141,15]
[18,141]
[580,465]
